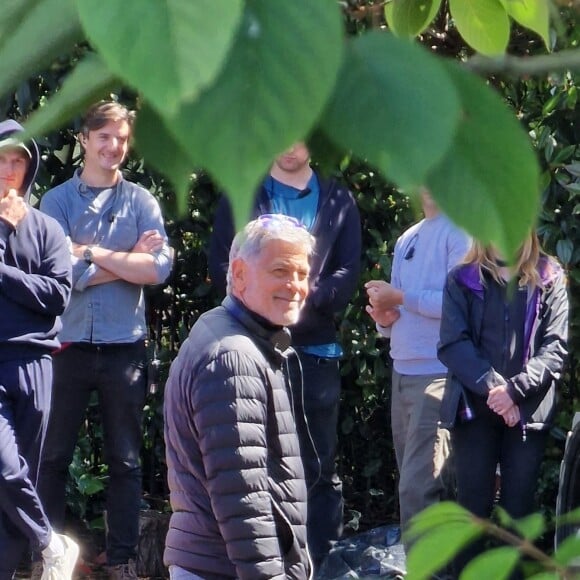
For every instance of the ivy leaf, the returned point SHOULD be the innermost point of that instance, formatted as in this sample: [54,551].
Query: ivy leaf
[532,14]
[388,123]
[496,564]
[88,82]
[162,151]
[483,24]
[41,32]
[409,18]
[169,50]
[280,72]
[491,189]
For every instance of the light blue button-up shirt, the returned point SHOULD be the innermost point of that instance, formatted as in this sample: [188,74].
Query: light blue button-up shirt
[115,219]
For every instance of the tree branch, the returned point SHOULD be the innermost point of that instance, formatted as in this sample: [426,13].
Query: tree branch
[526,66]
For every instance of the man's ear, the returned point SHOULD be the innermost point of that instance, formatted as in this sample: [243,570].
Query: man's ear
[81,138]
[239,275]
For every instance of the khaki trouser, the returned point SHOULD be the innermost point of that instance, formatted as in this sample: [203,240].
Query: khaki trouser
[421,447]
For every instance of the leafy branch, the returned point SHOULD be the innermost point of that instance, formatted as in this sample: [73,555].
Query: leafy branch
[526,66]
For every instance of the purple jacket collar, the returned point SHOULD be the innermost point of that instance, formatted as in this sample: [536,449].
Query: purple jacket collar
[469,277]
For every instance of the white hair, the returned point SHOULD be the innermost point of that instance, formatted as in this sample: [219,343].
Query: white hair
[249,242]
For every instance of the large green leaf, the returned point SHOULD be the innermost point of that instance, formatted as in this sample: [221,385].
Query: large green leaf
[89,81]
[436,548]
[410,17]
[44,31]
[278,77]
[497,564]
[395,106]
[533,14]
[484,24]
[167,49]
[13,11]
[489,179]
[161,150]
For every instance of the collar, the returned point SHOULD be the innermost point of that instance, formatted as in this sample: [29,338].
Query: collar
[276,338]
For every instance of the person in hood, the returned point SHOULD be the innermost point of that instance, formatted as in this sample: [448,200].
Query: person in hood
[233,458]
[329,212]
[35,287]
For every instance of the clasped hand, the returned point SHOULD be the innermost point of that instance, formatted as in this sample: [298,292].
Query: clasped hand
[499,401]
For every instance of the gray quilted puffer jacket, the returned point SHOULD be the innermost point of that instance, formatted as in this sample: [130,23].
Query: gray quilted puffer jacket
[235,475]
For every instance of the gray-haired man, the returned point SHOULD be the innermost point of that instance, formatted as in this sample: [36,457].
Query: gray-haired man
[235,474]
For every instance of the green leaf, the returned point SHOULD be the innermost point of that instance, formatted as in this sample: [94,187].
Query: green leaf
[488,181]
[568,551]
[530,527]
[572,517]
[13,11]
[496,564]
[162,151]
[280,72]
[89,485]
[168,50]
[532,14]
[483,24]
[437,515]
[45,31]
[409,18]
[545,576]
[436,548]
[88,82]
[573,168]
[564,250]
[379,107]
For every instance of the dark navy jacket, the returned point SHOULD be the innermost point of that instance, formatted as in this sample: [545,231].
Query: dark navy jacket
[35,275]
[335,264]
[545,344]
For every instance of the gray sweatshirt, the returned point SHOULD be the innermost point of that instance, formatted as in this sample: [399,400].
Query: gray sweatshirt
[424,254]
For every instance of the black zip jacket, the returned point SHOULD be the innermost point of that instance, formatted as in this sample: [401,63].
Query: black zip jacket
[545,348]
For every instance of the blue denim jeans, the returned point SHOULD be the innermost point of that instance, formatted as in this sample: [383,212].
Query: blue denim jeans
[316,396]
[24,406]
[117,373]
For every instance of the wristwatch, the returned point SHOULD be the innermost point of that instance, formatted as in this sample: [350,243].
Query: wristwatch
[88,255]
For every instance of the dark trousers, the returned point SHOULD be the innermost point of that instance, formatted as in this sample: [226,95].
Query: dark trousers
[117,372]
[316,397]
[479,446]
[25,388]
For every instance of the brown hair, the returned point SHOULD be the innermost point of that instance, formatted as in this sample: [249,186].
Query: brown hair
[102,112]
[526,265]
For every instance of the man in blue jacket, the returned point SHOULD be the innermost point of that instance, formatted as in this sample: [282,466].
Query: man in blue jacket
[329,212]
[35,286]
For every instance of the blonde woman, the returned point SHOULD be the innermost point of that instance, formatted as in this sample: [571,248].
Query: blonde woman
[504,345]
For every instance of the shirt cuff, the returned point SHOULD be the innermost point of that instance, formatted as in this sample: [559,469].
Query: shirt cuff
[85,278]
[384,330]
